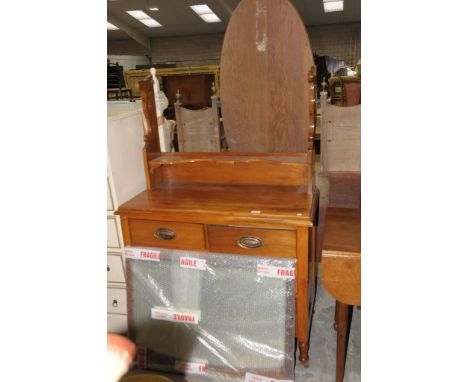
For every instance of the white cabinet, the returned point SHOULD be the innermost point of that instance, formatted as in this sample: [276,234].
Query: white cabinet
[125,179]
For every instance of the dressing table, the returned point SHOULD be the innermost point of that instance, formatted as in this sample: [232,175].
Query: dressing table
[259,198]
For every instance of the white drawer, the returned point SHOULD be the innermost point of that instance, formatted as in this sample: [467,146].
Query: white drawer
[117,323]
[115,269]
[110,201]
[116,301]
[113,237]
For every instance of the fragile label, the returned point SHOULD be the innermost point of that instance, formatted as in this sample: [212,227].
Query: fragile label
[276,272]
[175,316]
[190,367]
[260,378]
[142,254]
[192,263]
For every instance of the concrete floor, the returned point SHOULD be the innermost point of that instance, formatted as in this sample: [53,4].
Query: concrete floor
[322,352]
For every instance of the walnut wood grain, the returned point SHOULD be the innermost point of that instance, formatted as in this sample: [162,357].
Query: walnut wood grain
[265,62]
[275,243]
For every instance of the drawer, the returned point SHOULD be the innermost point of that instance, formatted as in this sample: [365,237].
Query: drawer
[252,241]
[110,202]
[152,233]
[117,323]
[113,237]
[115,269]
[116,301]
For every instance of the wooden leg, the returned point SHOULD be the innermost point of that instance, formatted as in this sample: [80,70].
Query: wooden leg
[343,326]
[304,353]
[302,296]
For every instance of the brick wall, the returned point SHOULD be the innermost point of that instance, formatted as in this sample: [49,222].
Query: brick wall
[341,41]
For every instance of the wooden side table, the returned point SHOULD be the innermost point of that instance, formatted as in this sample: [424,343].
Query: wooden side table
[341,272]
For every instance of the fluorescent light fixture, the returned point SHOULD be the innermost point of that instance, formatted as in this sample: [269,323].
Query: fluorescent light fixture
[111,27]
[139,15]
[151,23]
[201,9]
[210,18]
[144,18]
[205,12]
[154,9]
[332,5]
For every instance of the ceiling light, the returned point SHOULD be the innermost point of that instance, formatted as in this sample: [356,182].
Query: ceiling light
[151,23]
[201,9]
[332,5]
[111,27]
[210,18]
[139,15]
[205,12]
[154,9]
[144,18]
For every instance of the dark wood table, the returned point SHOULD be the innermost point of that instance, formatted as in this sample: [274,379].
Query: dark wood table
[341,272]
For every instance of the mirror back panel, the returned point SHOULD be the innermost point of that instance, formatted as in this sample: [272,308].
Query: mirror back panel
[265,61]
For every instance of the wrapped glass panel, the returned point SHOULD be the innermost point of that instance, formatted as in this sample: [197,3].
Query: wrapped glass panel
[227,317]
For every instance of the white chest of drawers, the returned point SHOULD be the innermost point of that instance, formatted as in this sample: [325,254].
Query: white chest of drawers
[125,179]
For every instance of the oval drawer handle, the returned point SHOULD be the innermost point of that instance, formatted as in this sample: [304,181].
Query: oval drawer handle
[115,304]
[250,242]
[165,234]
[108,268]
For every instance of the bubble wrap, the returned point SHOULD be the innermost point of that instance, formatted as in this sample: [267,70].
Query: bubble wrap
[245,320]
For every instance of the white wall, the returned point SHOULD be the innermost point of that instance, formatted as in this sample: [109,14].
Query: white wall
[128,62]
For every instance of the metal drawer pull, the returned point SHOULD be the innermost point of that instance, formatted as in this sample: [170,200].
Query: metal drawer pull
[250,242]
[165,234]
[115,304]
[108,268]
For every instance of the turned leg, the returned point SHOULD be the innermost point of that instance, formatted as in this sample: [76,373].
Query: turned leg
[342,335]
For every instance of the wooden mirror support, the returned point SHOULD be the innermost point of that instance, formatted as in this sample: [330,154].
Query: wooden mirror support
[264,186]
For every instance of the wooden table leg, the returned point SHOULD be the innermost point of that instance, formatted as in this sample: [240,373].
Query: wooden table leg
[302,298]
[342,311]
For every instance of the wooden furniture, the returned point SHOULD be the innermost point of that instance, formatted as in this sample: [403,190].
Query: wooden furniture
[341,272]
[259,198]
[194,82]
[198,130]
[125,179]
[345,91]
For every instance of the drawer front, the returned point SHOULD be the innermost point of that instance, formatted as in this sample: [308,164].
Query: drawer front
[116,301]
[252,241]
[113,237]
[115,270]
[117,323]
[110,202]
[152,233]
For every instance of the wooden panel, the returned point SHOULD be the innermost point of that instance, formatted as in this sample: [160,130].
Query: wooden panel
[115,269]
[340,145]
[116,301]
[195,90]
[187,235]
[274,243]
[230,170]
[199,134]
[262,204]
[341,255]
[265,62]
[113,238]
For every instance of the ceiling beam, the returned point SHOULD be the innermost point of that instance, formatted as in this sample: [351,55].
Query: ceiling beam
[139,37]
